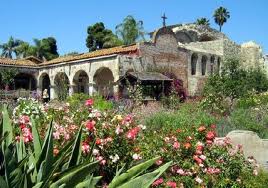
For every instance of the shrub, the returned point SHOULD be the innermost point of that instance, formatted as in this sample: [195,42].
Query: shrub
[222,90]
[253,119]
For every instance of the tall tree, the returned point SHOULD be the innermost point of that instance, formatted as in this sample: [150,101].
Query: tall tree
[23,50]
[221,15]
[130,30]
[202,21]
[9,48]
[99,37]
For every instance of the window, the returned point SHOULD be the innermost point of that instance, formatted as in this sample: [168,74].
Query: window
[193,64]
[212,60]
[204,65]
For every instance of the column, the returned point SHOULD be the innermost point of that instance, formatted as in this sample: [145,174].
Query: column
[199,65]
[53,94]
[71,90]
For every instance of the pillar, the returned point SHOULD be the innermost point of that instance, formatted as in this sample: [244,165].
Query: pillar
[53,94]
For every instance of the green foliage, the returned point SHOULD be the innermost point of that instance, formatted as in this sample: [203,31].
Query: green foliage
[99,37]
[253,119]
[130,30]
[202,21]
[10,48]
[8,75]
[78,99]
[222,90]
[133,177]
[45,48]
[221,15]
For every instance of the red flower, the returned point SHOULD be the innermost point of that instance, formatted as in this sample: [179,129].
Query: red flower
[210,135]
[158,182]
[171,184]
[89,102]
[132,133]
[90,125]
[197,159]
[98,141]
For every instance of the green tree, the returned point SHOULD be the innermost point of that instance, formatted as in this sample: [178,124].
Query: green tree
[44,49]
[130,30]
[221,15]
[99,37]
[8,75]
[9,48]
[202,21]
[24,50]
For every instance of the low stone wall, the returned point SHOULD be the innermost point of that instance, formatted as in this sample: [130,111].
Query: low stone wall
[252,145]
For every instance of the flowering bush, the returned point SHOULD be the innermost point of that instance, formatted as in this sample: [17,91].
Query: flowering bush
[199,159]
[115,136]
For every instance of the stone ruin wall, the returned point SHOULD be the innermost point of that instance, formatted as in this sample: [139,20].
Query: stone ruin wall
[164,53]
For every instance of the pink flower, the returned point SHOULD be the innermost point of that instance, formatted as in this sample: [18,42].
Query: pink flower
[197,159]
[176,145]
[158,182]
[103,162]
[211,170]
[118,130]
[171,184]
[89,102]
[90,125]
[210,135]
[85,147]
[159,162]
[181,172]
[132,133]
[56,135]
[24,119]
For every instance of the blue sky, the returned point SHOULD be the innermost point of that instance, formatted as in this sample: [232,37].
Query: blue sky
[67,20]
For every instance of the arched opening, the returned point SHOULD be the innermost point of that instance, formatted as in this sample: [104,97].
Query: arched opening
[81,81]
[61,82]
[193,64]
[212,62]
[104,82]
[204,65]
[24,81]
[44,83]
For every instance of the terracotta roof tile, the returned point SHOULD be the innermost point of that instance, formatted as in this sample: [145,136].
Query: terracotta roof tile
[17,62]
[34,62]
[97,53]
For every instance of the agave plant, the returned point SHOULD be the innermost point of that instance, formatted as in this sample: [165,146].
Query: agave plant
[37,167]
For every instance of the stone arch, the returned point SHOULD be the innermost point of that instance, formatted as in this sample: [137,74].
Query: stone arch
[183,37]
[194,58]
[81,82]
[44,82]
[204,65]
[25,81]
[212,63]
[104,82]
[61,85]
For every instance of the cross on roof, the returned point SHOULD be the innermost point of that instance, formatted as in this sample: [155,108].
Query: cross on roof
[164,20]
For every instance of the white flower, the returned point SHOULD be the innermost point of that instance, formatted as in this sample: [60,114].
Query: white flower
[114,158]
[203,157]
[136,156]
[95,152]
[198,180]
[143,127]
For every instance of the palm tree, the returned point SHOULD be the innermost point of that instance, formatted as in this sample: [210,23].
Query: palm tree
[202,21]
[38,49]
[10,47]
[220,16]
[130,30]
[23,50]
